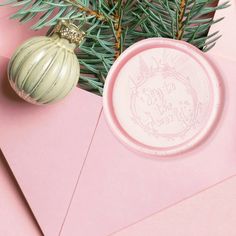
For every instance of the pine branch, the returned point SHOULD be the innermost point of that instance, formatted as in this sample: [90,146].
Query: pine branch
[118,27]
[181,14]
[87,10]
[111,26]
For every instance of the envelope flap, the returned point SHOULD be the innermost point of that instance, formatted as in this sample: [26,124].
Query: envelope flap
[45,147]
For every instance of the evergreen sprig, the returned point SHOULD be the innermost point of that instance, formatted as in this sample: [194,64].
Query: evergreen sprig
[113,25]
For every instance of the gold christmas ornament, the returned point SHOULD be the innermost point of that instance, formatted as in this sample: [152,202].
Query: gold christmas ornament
[45,69]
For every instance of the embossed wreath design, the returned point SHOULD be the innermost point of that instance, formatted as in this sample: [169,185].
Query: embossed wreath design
[156,110]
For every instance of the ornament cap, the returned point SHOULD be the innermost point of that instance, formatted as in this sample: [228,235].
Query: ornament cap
[67,30]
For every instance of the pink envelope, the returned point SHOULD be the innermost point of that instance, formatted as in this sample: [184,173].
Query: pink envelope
[119,187]
[79,180]
[211,212]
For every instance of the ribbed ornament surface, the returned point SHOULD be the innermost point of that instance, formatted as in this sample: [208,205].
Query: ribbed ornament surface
[44,69]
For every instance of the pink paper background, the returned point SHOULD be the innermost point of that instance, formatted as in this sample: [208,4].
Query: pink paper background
[103,201]
[13,33]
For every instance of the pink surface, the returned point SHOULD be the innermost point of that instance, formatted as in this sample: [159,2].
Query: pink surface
[13,33]
[226,45]
[119,187]
[209,213]
[47,146]
[15,216]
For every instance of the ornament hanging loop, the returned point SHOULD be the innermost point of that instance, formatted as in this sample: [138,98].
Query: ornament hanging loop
[68,30]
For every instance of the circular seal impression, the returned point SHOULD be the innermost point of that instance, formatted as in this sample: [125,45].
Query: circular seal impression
[162,97]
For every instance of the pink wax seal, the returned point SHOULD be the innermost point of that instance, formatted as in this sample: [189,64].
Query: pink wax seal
[162,97]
